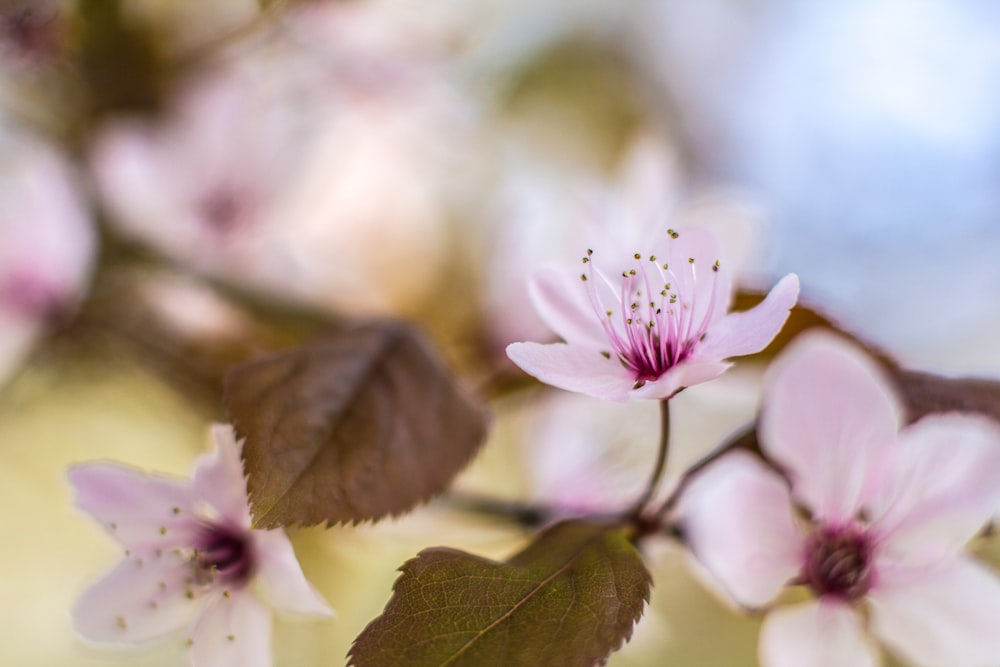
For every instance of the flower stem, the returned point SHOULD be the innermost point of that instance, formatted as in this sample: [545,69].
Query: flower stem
[661,460]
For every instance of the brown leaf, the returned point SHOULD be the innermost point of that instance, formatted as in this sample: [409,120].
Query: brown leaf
[569,599]
[358,425]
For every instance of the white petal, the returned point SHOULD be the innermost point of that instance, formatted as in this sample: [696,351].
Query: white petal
[142,598]
[142,511]
[940,487]
[817,634]
[574,368]
[232,632]
[828,416]
[946,616]
[561,301]
[219,479]
[737,519]
[750,331]
[280,581]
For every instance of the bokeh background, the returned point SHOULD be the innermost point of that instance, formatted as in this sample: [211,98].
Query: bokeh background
[185,184]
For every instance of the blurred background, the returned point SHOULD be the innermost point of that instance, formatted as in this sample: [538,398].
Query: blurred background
[186,184]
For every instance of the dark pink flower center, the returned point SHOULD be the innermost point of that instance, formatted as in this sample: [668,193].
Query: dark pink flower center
[838,563]
[659,323]
[30,295]
[224,210]
[30,32]
[224,555]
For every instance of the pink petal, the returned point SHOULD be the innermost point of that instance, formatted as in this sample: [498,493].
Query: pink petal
[280,580]
[684,374]
[940,487]
[139,509]
[737,519]
[817,634]
[750,331]
[219,479]
[828,415]
[561,301]
[947,616]
[574,369]
[232,632]
[142,598]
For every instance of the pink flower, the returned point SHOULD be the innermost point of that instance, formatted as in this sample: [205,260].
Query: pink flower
[47,244]
[873,524]
[648,325]
[189,554]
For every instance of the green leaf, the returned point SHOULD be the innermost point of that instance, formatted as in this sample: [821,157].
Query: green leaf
[569,599]
[358,425]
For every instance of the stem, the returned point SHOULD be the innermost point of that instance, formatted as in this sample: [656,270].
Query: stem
[746,440]
[661,459]
[527,515]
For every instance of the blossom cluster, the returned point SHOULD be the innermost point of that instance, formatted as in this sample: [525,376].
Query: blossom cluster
[869,514]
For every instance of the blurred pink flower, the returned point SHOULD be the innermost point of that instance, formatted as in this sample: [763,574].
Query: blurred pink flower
[649,326]
[889,510]
[189,554]
[47,245]
[271,170]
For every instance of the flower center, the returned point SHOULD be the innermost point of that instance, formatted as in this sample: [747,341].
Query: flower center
[223,556]
[224,210]
[656,319]
[838,563]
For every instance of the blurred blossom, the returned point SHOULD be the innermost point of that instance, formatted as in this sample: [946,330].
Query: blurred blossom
[872,130]
[885,512]
[193,310]
[189,554]
[47,244]
[32,32]
[584,455]
[590,456]
[308,164]
[647,325]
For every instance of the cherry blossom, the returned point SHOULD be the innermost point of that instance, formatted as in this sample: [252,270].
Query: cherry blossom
[648,325]
[47,244]
[872,519]
[189,554]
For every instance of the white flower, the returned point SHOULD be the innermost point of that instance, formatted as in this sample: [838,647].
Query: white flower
[189,554]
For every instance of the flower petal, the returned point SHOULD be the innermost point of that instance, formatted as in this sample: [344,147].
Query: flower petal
[280,580]
[142,598]
[219,479]
[940,487]
[750,331]
[818,634]
[947,616]
[139,509]
[737,518]
[574,369]
[233,631]
[828,416]
[562,303]
[684,374]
